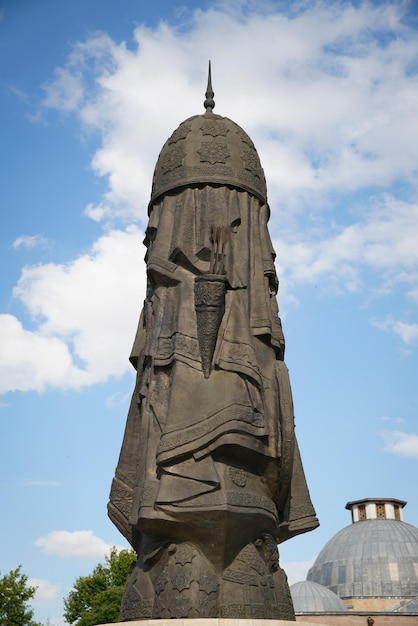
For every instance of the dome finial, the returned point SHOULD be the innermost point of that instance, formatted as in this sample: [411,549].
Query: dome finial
[209,103]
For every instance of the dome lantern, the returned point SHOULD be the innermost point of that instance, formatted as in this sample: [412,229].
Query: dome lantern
[376,508]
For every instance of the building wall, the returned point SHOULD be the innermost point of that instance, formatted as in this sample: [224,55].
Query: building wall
[358,619]
[371,604]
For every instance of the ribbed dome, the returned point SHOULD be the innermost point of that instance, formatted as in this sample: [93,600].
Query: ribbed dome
[209,148]
[371,558]
[310,597]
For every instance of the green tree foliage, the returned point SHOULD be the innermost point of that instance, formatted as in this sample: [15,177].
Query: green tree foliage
[15,594]
[95,599]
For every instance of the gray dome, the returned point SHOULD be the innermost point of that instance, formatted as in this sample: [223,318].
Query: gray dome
[371,558]
[310,597]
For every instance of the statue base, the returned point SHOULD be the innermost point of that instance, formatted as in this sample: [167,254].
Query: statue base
[212,622]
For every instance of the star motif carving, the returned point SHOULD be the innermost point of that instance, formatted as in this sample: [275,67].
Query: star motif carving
[184,554]
[180,581]
[213,152]
[214,128]
[180,133]
[207,583]
[172,159]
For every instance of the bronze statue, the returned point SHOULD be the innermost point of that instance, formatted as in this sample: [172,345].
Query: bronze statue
[209,478]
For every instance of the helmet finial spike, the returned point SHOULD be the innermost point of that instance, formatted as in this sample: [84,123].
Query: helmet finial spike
[209,103]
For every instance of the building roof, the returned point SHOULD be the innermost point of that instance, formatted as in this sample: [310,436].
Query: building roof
[400,503]
[406,606]
[310,597]
[371,558]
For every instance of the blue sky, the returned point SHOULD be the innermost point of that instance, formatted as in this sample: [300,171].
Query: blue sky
[89,92]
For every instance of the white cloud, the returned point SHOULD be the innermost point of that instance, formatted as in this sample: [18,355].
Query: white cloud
[383,239]
[326,86]
[19,93]
[85,316]
[297,570]
[46,592]
[116,400]
[30,360]
[396,420]
[329,104]
[68,91]
[74,544]
[329,99]
[400,443]
[408,333]
[29,241]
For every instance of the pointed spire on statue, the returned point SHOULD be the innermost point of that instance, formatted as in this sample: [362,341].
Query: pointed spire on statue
[209,103]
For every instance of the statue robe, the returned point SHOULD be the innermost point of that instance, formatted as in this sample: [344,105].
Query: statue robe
[210,459]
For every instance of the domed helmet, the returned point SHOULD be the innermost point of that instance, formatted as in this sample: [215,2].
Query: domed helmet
[209,149]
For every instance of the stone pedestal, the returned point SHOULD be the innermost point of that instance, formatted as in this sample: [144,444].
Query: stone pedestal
[212,622]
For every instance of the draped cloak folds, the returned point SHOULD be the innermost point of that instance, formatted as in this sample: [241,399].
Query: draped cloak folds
[202,453]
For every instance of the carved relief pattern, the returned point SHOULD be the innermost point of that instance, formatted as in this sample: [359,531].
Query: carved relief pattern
[252,558]
[184,554]
[180,133]
[194,173]
[172,159]
[132,604]
[204,170]
[238,576]
[247,502]
[248,589]
[207,583]
[246,168]
[252,162]
[213,152]
[187,586]
[179,343]
[122,498]
[245,138]
[253,181]
[268,548]
[209,307]
[180,581]
[214,128]
[241,413]
[138,596]
[238,476]
[240,352]
[232,611]
[209,292]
